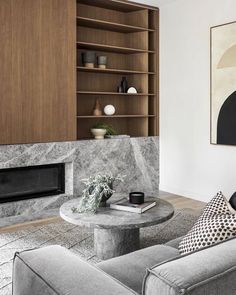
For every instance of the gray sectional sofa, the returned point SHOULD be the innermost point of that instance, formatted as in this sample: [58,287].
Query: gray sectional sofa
[157,270]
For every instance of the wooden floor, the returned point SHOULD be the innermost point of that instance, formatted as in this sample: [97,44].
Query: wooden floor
[178,202]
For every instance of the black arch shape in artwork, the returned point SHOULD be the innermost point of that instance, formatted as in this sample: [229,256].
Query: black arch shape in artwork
[226,125]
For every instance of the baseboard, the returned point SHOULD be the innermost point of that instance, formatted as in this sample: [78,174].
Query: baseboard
[185,193]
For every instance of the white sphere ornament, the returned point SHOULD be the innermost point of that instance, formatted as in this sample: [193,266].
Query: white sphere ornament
[109,110]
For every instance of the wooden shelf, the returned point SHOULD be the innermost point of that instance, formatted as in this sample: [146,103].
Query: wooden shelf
[113,71]
[111,48]
[114,93]
[118,5]
[109,26]
[127,34]
[115,116]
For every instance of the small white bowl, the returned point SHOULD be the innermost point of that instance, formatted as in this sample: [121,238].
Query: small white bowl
[98,133]
[132,90]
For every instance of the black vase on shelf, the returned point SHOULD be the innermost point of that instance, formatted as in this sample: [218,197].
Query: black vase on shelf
[124,84]
[123,87]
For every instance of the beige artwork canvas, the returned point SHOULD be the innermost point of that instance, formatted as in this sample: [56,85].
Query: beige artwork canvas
[223,84]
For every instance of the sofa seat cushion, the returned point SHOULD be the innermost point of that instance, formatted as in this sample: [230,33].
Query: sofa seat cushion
[174,243]
[130,269]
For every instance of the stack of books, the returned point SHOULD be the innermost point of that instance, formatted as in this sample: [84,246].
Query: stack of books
[125,205]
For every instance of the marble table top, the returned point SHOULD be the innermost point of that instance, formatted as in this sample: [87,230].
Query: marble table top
[107,218]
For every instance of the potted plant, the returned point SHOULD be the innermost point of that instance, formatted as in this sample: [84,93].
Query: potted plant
[98,189]
[99,130]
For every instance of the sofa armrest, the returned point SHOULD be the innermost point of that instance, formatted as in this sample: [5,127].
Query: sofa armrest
[208,271]
[55,270]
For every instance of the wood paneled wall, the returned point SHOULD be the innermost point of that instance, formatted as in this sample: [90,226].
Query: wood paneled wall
[37,71]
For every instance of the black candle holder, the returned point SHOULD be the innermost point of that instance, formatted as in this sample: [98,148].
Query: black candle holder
[136,197]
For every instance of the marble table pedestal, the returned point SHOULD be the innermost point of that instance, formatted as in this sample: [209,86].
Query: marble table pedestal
[110,243]
[116,232]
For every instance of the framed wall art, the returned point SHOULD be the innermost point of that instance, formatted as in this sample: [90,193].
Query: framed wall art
[223,84]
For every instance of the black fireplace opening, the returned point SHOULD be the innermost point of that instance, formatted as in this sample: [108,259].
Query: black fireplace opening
[31,182]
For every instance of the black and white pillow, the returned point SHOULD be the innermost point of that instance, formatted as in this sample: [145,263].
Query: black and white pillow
[217,223]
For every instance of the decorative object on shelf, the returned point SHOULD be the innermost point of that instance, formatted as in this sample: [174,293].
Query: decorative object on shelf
[132,90]
[98,133]
[89,59]
[97,110]
[123,87]
[119,89]
[108,128]
[109,110]
[98,189]
[124,84]
[117,136]
[102,61]
[136,197]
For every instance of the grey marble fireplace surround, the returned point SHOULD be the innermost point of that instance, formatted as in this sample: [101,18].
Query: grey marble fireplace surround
[137,158]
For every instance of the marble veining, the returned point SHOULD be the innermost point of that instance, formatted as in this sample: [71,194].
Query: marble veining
[137,158]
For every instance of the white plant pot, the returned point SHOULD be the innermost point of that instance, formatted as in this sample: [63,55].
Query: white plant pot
[98,133]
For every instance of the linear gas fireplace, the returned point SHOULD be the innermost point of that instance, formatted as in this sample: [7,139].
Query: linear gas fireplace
[31,182]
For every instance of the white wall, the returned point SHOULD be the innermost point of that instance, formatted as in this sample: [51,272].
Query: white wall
[190,165]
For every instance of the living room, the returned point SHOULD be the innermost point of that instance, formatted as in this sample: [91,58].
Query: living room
[117,147]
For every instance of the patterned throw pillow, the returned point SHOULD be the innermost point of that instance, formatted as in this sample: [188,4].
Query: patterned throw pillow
[217,223]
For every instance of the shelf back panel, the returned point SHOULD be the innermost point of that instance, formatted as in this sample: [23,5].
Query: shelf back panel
[109,83]
[123,105]
[137,40]
[135,127]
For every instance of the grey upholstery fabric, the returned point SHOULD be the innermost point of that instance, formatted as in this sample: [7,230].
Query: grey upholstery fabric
[174,243]
[211,271]
[28,282]
[55,270]
[130,269]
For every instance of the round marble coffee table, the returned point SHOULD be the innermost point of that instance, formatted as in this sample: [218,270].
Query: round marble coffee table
[116,232]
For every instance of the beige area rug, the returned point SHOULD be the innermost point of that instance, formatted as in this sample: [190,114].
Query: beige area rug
[79,240]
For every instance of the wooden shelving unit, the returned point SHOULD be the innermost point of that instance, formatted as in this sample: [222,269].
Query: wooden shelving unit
[127,33]
[118,5]
[113,71]
[116,116]
[112,48]
[109,26]
[114,93]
